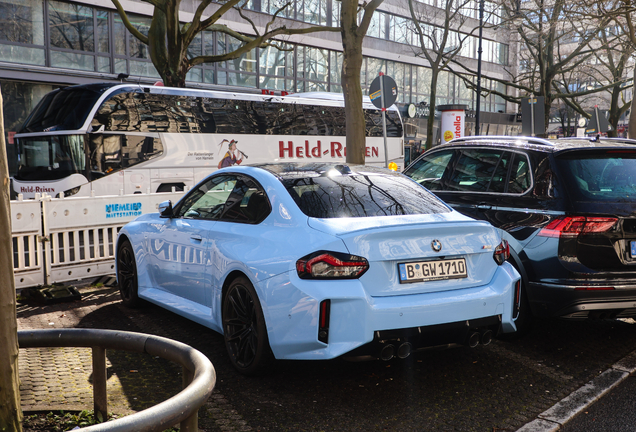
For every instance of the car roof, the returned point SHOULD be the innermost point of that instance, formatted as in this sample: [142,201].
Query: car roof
[541,144]
[291,170]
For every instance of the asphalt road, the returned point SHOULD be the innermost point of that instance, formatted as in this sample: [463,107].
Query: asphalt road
[499,387]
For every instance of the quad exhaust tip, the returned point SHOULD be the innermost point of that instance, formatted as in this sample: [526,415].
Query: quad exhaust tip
[486,337]
[405,350]
[387,352]
[483,337]
[473,339]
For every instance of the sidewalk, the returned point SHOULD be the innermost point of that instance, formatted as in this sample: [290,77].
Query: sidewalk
[60,378]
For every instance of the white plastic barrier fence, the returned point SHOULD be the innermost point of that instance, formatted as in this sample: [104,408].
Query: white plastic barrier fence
[63,239]
[26,229]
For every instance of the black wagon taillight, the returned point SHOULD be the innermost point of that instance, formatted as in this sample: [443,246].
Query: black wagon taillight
[572,226]
[331,265]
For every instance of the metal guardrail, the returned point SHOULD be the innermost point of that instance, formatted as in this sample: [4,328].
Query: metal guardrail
[199,376]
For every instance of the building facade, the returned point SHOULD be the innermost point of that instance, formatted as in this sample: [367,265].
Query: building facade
[46,44]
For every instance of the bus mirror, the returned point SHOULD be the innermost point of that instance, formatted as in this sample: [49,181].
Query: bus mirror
[165,209]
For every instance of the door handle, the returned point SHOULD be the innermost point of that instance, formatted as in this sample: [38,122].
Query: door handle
[196,238]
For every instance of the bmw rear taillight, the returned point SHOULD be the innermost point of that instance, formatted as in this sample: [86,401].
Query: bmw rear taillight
[572,226]
[502,252]
[331,265]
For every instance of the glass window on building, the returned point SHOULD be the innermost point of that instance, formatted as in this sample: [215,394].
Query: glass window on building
[131,55]
[241,72]
[22,31]
[312,69]
[275,67]
[273,6]
[335,13]
[374,67]
[503,54]
[396,71]
[485,101]
[195,49]
[403,31]
[374,26]
[315,12]
[335,71]
[465,93]
[500,102]
[444,87]
[423,84]
[72,31]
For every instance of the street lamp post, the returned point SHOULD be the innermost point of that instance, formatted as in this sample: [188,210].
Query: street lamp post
[479,51]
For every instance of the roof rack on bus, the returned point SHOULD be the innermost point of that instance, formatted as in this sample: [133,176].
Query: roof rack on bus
[529,140]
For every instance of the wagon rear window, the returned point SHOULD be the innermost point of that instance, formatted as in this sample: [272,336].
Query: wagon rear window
[609,175]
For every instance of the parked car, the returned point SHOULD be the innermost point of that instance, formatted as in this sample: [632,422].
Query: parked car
[566,207]
[318,261]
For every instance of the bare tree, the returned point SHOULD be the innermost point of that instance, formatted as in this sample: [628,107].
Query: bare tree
[440,36]
[353,32]
[168,40]
[555,38]
[627,22]
[612,54]
[10,412]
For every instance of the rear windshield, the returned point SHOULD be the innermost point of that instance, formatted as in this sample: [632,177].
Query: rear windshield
[608,175]
[361,195]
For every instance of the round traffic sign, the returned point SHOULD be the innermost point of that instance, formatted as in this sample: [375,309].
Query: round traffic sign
[390,91]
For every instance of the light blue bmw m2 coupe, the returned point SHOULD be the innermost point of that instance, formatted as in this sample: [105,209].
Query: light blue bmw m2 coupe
[317,261]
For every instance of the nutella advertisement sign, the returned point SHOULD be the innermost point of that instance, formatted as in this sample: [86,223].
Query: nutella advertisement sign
[452,125]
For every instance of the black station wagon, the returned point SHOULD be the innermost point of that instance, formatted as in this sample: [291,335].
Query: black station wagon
[566,207]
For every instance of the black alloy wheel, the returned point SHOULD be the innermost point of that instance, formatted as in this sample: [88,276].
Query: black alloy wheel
[127,275]
[244,329]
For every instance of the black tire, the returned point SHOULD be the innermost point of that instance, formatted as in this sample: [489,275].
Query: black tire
[244,329]
[127,275]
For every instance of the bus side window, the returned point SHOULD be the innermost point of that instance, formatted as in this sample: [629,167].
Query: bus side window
[105,154]
[137,149]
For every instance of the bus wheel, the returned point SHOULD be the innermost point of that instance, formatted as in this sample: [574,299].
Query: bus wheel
[127,275]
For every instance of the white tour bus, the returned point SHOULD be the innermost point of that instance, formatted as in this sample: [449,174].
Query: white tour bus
[107,138]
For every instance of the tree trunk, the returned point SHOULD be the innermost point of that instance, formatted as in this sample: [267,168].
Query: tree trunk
[166,65]
[354,116]
[430,121]
[10,412]
[614,114]
[631,133]
[352,91]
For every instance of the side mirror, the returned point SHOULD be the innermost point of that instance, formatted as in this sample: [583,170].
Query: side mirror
[165,209]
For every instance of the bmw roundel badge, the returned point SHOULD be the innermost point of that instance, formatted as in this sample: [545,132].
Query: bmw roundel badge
[436,245]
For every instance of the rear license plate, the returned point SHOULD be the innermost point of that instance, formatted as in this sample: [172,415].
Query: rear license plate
[633,248]
[425,271]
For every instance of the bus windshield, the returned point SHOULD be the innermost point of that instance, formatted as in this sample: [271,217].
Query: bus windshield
[64,109]
[51,157]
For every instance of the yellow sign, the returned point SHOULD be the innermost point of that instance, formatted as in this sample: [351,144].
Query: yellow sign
[448,135]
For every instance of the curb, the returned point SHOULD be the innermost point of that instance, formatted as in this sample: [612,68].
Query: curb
[567,408]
